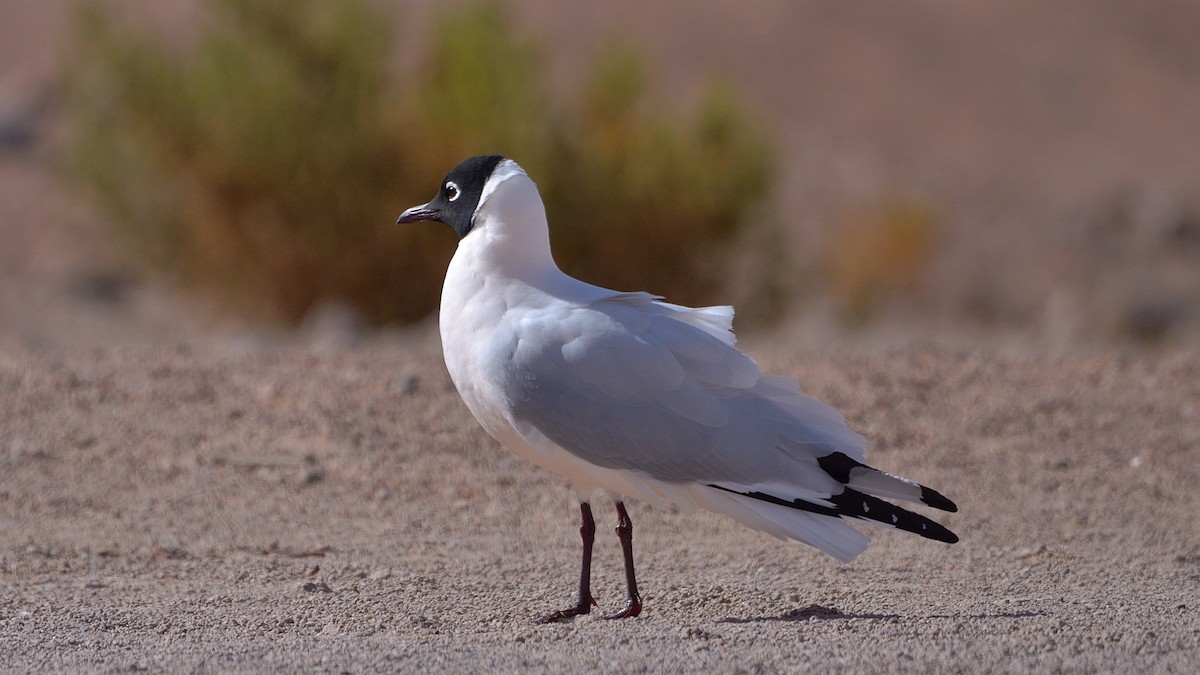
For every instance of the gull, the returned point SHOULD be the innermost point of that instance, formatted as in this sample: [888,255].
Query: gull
[633,397]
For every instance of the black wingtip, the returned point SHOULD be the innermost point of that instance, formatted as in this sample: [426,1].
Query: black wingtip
[854,504]
[937,500]
[936,532]
[838,465]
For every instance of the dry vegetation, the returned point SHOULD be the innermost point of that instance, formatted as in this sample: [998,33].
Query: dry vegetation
[269,162]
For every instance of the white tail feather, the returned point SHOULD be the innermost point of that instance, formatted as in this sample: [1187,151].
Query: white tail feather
[828,534]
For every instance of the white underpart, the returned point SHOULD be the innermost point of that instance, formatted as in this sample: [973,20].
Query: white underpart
[542,359]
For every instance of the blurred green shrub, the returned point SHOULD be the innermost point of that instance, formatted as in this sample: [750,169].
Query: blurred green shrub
[269,161]
[646,200]
[879,251]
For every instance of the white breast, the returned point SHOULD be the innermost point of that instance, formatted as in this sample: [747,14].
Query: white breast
[467,319]
[478,320]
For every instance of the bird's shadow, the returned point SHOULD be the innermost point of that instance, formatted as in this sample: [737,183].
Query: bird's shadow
[823,613]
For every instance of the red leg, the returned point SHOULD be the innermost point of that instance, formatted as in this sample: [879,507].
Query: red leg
[583,605]
[633,606]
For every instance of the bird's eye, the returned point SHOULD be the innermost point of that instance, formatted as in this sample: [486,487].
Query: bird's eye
[452,191]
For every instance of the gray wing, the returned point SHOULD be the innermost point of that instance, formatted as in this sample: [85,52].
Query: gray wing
[631,383]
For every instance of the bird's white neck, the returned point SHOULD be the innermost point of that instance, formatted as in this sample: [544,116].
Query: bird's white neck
[511,237]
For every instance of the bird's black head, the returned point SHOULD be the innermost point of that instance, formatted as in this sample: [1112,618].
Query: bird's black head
[458,196]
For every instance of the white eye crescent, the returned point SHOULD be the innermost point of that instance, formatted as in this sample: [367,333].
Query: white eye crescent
[452,191]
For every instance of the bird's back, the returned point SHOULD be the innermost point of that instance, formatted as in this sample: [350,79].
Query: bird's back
[630,383]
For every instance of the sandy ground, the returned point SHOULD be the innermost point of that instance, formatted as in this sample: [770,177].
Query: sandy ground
[249,506]
[178,493]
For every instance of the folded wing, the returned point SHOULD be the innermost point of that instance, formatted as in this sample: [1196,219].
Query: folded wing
[635,384]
